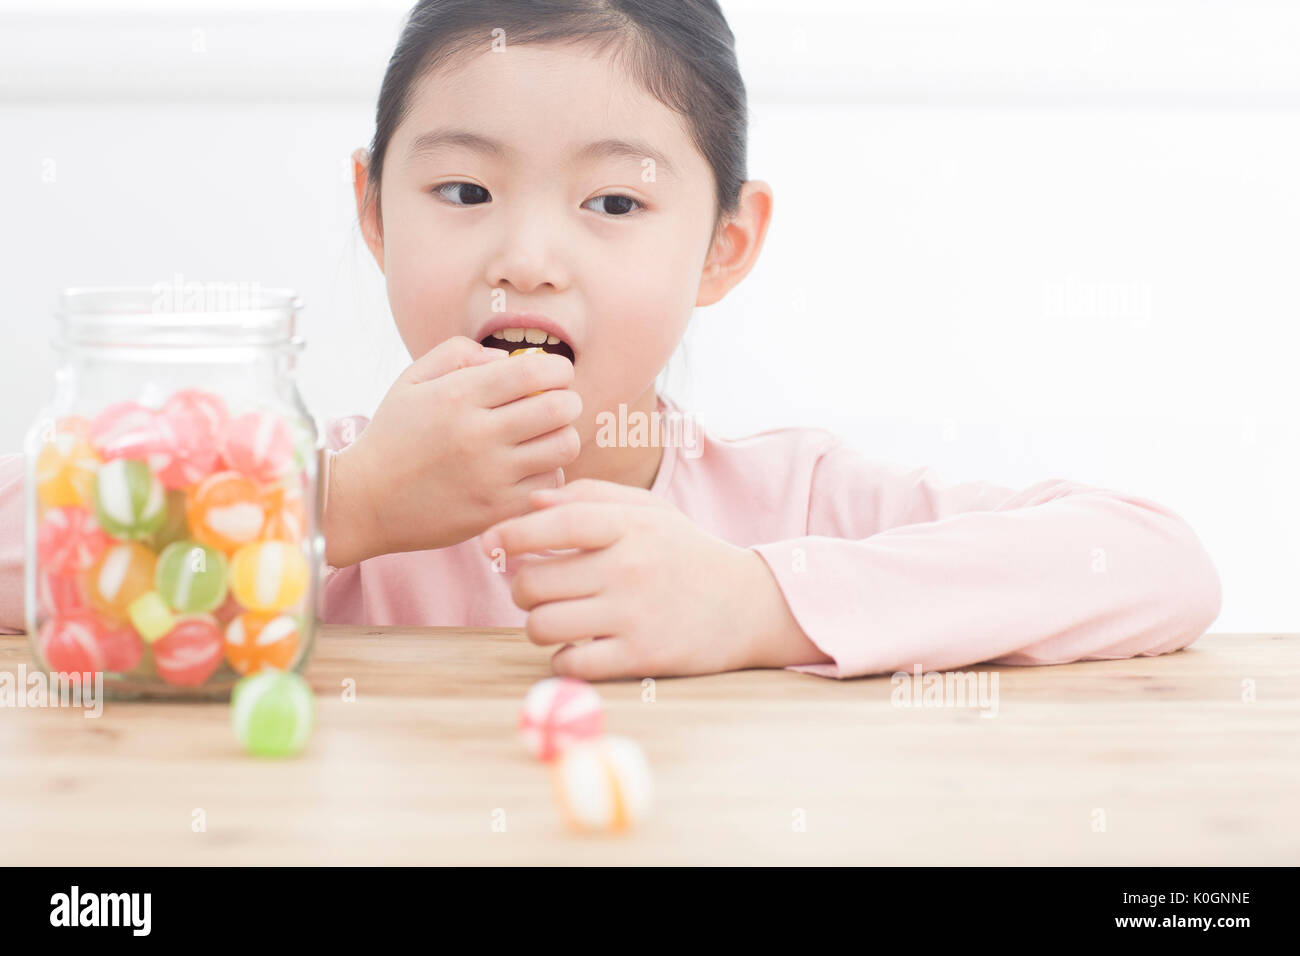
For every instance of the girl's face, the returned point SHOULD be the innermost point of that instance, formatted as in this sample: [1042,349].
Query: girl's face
[546,173]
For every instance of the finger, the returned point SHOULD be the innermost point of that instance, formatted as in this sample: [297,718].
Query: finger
[579,524]
[564,578]
[562,622]
[452,354]
[498,385]
[517,422]
[604,658]
[594,489]
[546,452]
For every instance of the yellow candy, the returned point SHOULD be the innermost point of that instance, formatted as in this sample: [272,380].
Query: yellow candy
[268,575]
[65,465]
[121,574]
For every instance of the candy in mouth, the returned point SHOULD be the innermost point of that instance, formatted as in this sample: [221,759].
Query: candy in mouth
[512,339]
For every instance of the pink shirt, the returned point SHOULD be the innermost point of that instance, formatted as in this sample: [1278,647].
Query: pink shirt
[884,566]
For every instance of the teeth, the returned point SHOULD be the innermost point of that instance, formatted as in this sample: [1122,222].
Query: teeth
[533,336]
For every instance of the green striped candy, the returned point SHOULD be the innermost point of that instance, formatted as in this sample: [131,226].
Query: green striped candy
[272,712]
[129,500]
[191,576]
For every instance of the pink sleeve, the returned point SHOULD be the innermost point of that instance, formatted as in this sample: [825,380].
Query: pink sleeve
[899,569]
[13,543]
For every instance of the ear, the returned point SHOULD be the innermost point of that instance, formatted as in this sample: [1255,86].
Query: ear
[737,243]
[367,216]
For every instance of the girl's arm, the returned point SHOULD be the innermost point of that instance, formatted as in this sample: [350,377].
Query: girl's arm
[899,569]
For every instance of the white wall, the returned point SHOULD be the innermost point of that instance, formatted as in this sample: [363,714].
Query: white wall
[1015,240]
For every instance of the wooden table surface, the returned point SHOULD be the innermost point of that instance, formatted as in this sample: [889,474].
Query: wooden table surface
[1144,761]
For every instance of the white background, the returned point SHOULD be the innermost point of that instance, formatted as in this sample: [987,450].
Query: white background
[1014,240]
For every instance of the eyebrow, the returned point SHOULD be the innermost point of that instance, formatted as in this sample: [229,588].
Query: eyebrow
[452,138]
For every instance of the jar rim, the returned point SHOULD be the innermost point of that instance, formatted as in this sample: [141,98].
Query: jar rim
[176,314]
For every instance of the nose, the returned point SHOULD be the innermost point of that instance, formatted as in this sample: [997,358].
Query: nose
[528,254]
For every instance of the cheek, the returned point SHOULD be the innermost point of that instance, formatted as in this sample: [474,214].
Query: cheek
[423,277]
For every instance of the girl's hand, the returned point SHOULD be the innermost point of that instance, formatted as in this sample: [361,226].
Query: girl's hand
[660,596]
[457,443]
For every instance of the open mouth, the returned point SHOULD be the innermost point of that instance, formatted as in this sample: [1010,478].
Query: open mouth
[550,343]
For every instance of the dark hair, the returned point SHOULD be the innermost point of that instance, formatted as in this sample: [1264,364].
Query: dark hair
[681,51]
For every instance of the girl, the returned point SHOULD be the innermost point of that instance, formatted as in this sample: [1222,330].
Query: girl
[572,175]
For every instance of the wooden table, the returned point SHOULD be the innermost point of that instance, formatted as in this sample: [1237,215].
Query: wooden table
[1163,752]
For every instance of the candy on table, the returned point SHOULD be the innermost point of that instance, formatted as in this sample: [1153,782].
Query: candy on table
[268,575]
[286,515]
[190,652]
[558,711]
[272,713]
[69,643]
[134,431]
[120,575]
[225,510]
[258,444]
[68,540]
[129,499]
[256,641]
[150,616]
[197,420]
[122,647]
[602,784]
[175,525]
[59,593]
[191,576]
[66,464]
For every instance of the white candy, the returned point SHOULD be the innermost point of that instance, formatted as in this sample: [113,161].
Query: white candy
[603,784]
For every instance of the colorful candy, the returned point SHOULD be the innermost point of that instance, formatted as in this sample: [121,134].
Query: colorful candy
[66,465]
[175,524]
[226,511]
[171,538]
[150,616]
[558,711]
[191,576]
[256,641]
[272,713]
[131,430]
[69,540]
[129,500]
[602,784]
[69,643]
[268,575]
[286,515]
[122,647]
[197,420]
[259,444]
[120,575]
[59,593]
[190,652]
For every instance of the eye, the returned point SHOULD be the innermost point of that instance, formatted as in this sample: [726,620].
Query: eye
[620,203]
[475,191]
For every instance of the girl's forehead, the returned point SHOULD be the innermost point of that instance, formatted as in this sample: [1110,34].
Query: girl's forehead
[535,96]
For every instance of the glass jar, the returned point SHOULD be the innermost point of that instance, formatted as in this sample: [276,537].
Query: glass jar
[173,502]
